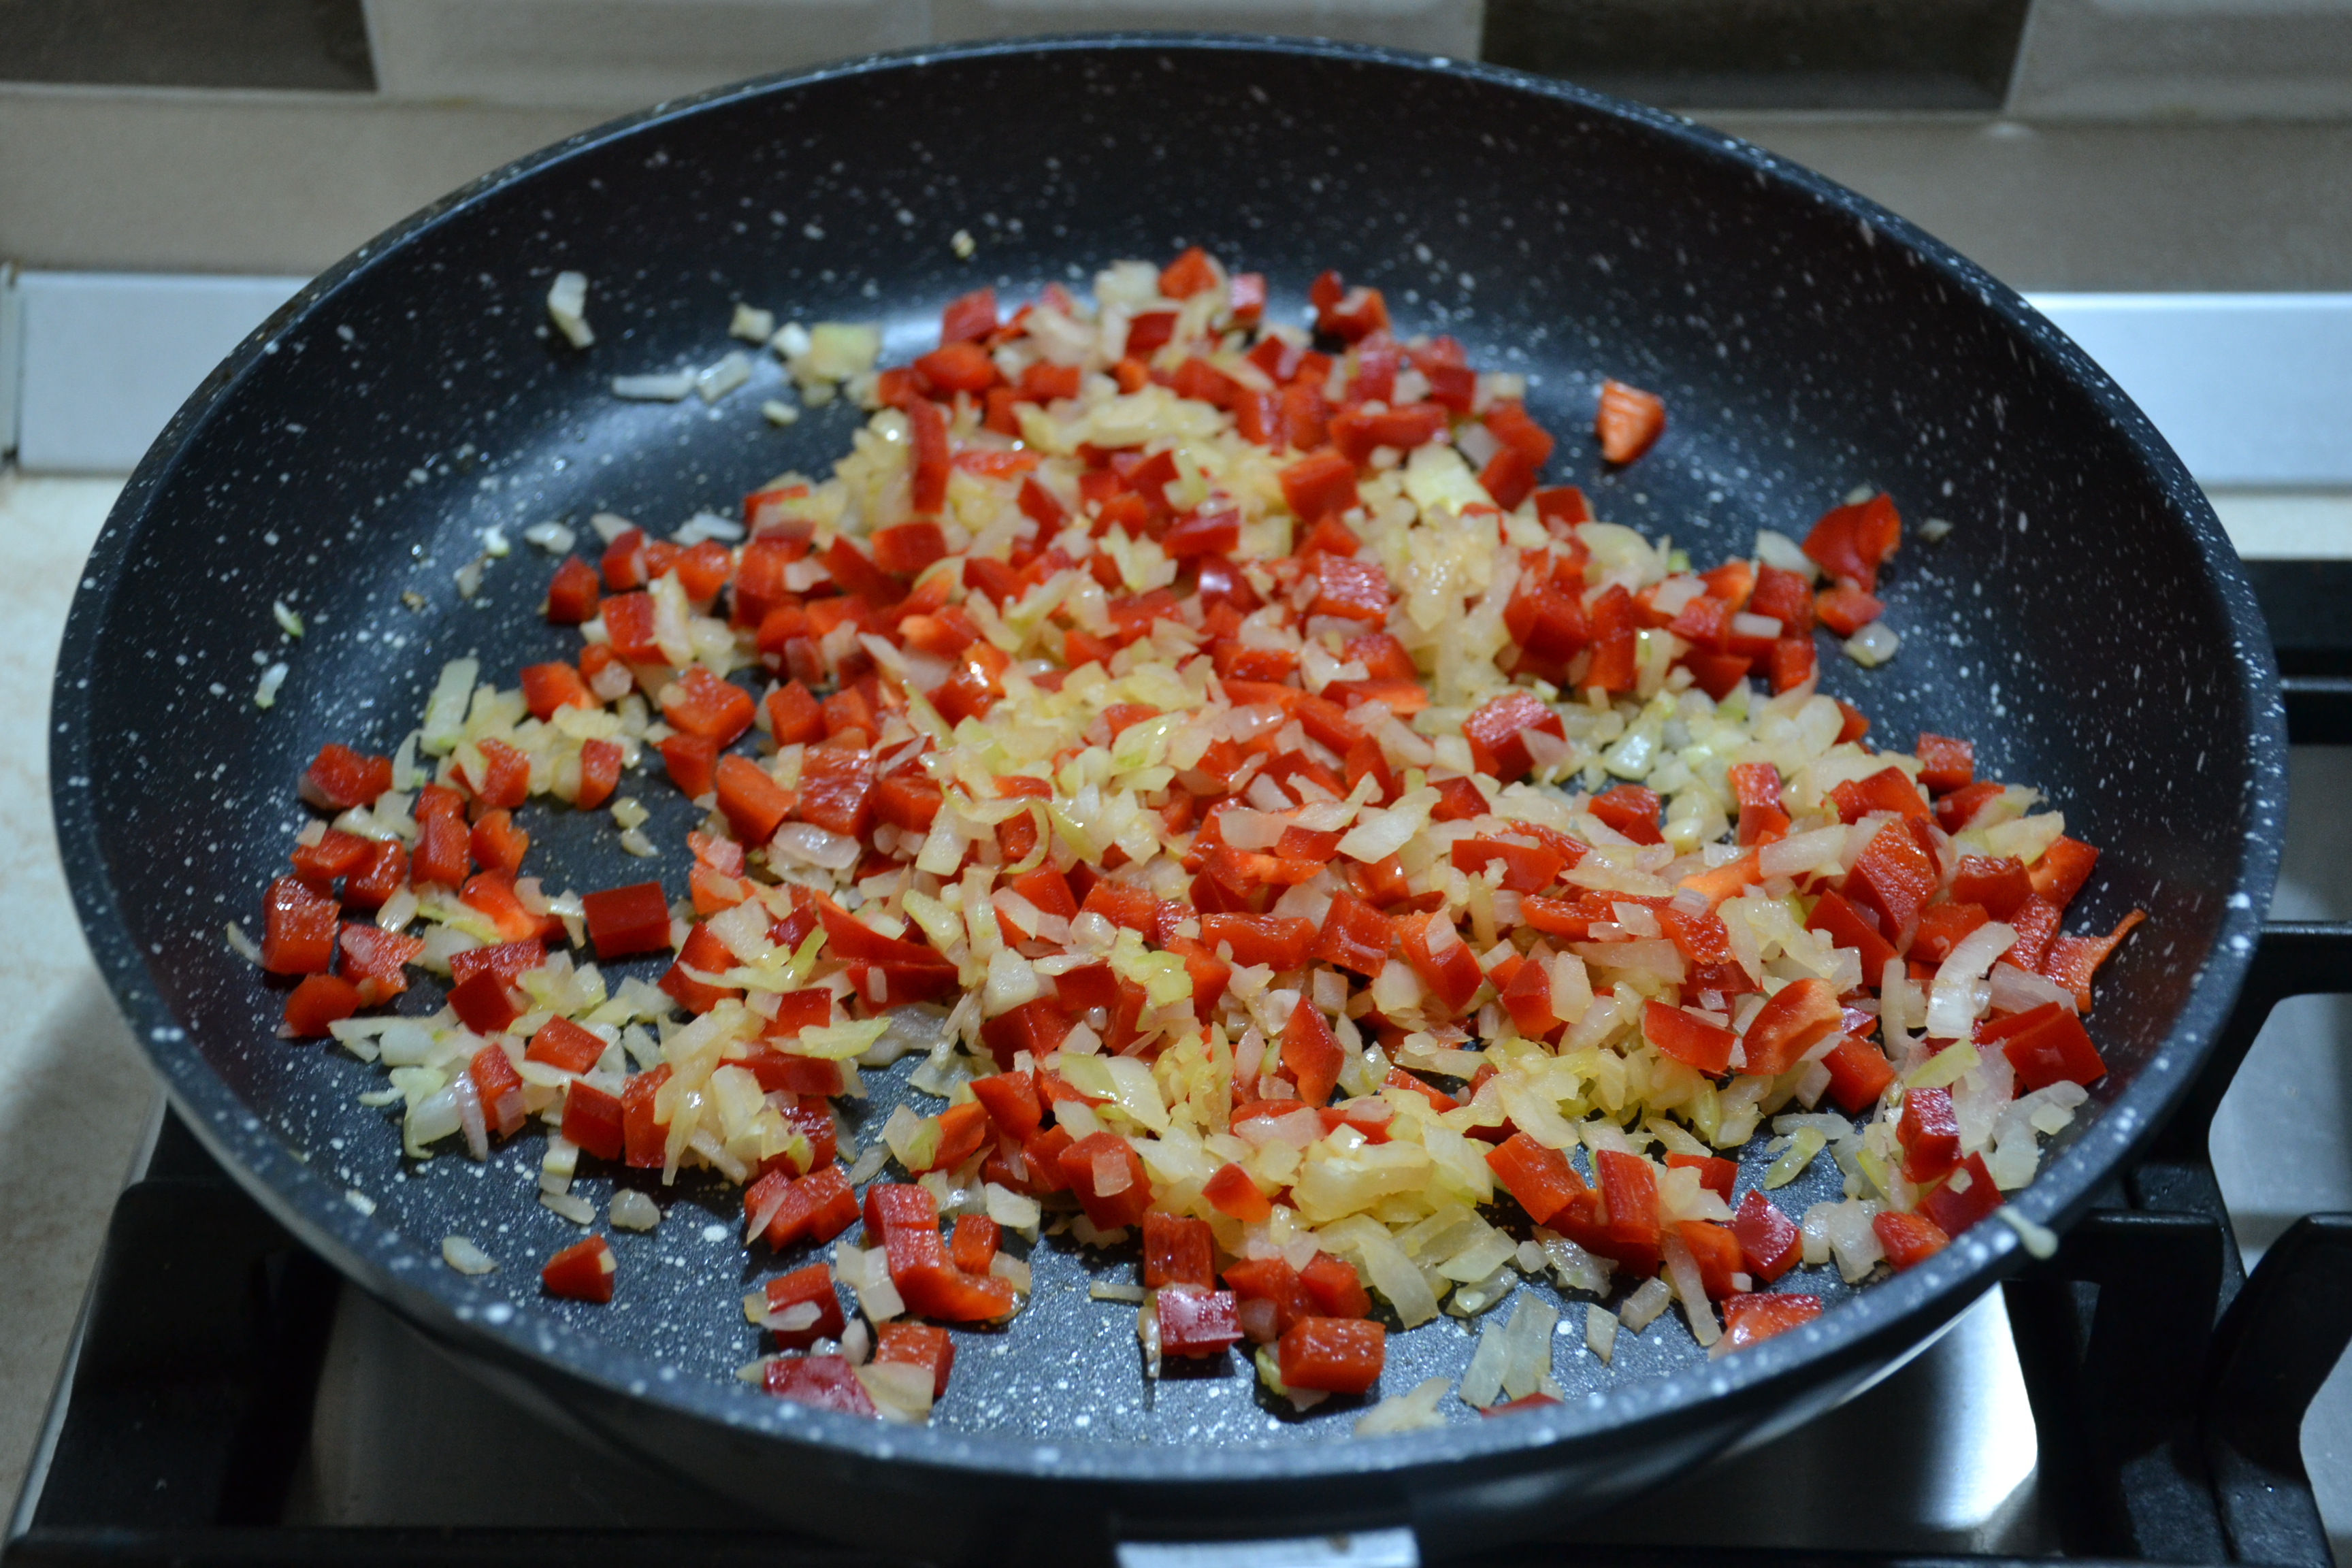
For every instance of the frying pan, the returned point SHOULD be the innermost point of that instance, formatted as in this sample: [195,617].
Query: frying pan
[2085,622]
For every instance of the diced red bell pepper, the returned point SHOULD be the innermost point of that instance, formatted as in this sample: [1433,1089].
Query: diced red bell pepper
[1011,1099]
[701,703]
[836,790]
[595,1120]
[691,762]
[1345,313]
[1687,1038]
[485,1004]
[1715,1251]
[1526,868]
[1177,1251]
[1885,789]
[1632,810]
[1858,1073]
[1851,542]
[1539,1177]
[1311,1053]
[1846,611]
[927,456]
[1848,927]
[1768,1239]
[2063,869]
[1332,1355]
[1966,1196]
[376,961]
[571,593]
[319,1000]
[499,1088]
[1998,886]
[1355,937]
[1909,1239]
[1793,663]
[339,778]
[1349,587]
[1448,968]
[962,1129]
[1277,941]
[924,1345]
[969,318]
[817,1206]
[600,774]
[972,1244]
[298,926]
[956,367]
[1527,996]
[1232,1193]
[1751,1319]
[1496,731]
[1628,421]
[1946,764]
[2045,1046]
[560,1043]
[1796,1019]
[1893,876]
[1929,1133]
[814,1287]
[1197,1323]
[1271,1281]
[705,953]
[821,1381]
[581,1273]
[498,844]
[755,804]
[381,871]
[645,1138]
[1107,1175]
[1629,1195]
[2072,960]
[624,921]
[1943,927]
[1331,1284]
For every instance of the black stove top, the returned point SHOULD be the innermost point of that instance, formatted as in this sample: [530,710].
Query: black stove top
[2135,1397]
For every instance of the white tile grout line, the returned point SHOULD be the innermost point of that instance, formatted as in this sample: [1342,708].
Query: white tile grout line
[2254,391]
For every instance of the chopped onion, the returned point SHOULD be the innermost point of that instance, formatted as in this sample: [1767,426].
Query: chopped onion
[1953,1005]
[805,844]
[264,695]
[1600,1331]
[632,1210]
[1413,1411]
[1873,644]
[2016,990]
[1645,1303]
[567,306]
[466,1257]
[663,386]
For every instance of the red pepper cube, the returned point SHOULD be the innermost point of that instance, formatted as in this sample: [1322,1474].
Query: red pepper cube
[2045,1046]
[690,761]
[972,1244]
[924,1345]
[339,778]
[1539,1177]
[1332,1355]
[572,593]
[1859,1074]
[1196,1322]
[1800,1016]
[298,926]
[1331,1284]
[1355,937]
[1909,1239]
[821,1381]
[699,703]
[624,922]
[1013,1103]
[1946,764]
[563,1044]
[1686,1038]
[499,1088]
[962,1130]
[836,789]
[581,1273]
[1892,876]
[1629,1193]
[318,1001]
[2063,869]
[1715,1251]
[1632,811]
[1849,542]
[595,1120]
[1107,1175]
[809,1286]
[1768,1239]
[1232,1193]
[1311,1053]
[1930,1133]
[1177,1251]
[1497,731]
[645,1138]
[376,961]
[1965,1196]
[1998,886]
[1749,1320]
[815,1207]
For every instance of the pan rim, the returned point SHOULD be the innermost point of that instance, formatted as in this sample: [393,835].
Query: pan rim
[1892,1314]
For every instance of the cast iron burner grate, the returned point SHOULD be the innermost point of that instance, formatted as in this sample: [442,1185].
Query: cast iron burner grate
[2167,1386]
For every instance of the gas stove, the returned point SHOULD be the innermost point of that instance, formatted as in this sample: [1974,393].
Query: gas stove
[2137,1396]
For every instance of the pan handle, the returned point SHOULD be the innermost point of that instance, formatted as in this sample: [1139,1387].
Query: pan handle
[2292,958]
[1394,1548]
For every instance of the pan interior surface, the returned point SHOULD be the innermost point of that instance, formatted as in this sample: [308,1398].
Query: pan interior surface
[2080,622]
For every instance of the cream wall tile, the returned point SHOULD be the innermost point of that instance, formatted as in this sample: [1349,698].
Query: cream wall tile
[1434,26]
[618,54]
[2214,58]
[75,1093]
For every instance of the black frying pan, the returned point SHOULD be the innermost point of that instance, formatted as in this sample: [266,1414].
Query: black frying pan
[2085,622]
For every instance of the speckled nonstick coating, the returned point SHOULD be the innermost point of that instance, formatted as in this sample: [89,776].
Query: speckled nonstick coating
[2085,622]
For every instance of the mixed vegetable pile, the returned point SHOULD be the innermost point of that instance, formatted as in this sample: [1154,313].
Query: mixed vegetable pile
[1293,836]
